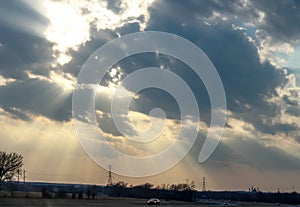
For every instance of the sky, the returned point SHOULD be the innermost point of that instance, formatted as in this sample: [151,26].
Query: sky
[254,46]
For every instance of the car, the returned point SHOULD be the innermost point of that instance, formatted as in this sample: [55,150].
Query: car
[153,201]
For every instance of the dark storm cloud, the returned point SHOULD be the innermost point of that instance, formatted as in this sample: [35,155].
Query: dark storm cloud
[19,10]
[114,5]
[39,97]
[190,11]
[281,19]
[21,51]
[21,48]
[248,83]
[279,128]
[246,152]
[98,38]
[253,154]
[106,124]
[24,49]
[16,113]
[158,98]
[289,101]
[293,110]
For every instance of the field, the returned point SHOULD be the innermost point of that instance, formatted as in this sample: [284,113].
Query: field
[108,201]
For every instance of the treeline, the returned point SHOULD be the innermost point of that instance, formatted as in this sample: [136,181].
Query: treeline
[187,185]
[266,197]
[186,192]
[181,191]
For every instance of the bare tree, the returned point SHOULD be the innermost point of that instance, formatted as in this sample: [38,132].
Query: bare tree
[148,185]
[10,163]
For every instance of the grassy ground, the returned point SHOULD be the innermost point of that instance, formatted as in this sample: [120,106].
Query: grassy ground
[108,201]
[34,200]
[31,202]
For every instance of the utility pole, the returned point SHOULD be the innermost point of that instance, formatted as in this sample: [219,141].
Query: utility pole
[18,179]
[203,184]
[109,176]
[24,179]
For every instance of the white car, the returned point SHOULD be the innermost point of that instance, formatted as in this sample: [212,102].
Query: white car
[153,201]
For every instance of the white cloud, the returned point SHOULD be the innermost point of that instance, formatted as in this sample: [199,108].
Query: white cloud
[5,81]
[70,21]
[138,122]
[240,127]
[64,80]
[271,51]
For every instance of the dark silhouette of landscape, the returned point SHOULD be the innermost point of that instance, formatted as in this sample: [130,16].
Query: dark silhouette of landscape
[175,192]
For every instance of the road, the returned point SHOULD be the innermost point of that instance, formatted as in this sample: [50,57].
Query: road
[126,202]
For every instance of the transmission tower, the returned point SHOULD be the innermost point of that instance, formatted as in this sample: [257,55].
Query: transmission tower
[203,184]
[109,176]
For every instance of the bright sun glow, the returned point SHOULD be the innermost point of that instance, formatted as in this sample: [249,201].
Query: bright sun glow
[67,30]
[70,21]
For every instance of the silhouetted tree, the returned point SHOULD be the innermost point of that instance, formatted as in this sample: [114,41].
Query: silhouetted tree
[10,163]
[148,185]
[189,185]
[157,187]
[121,184]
